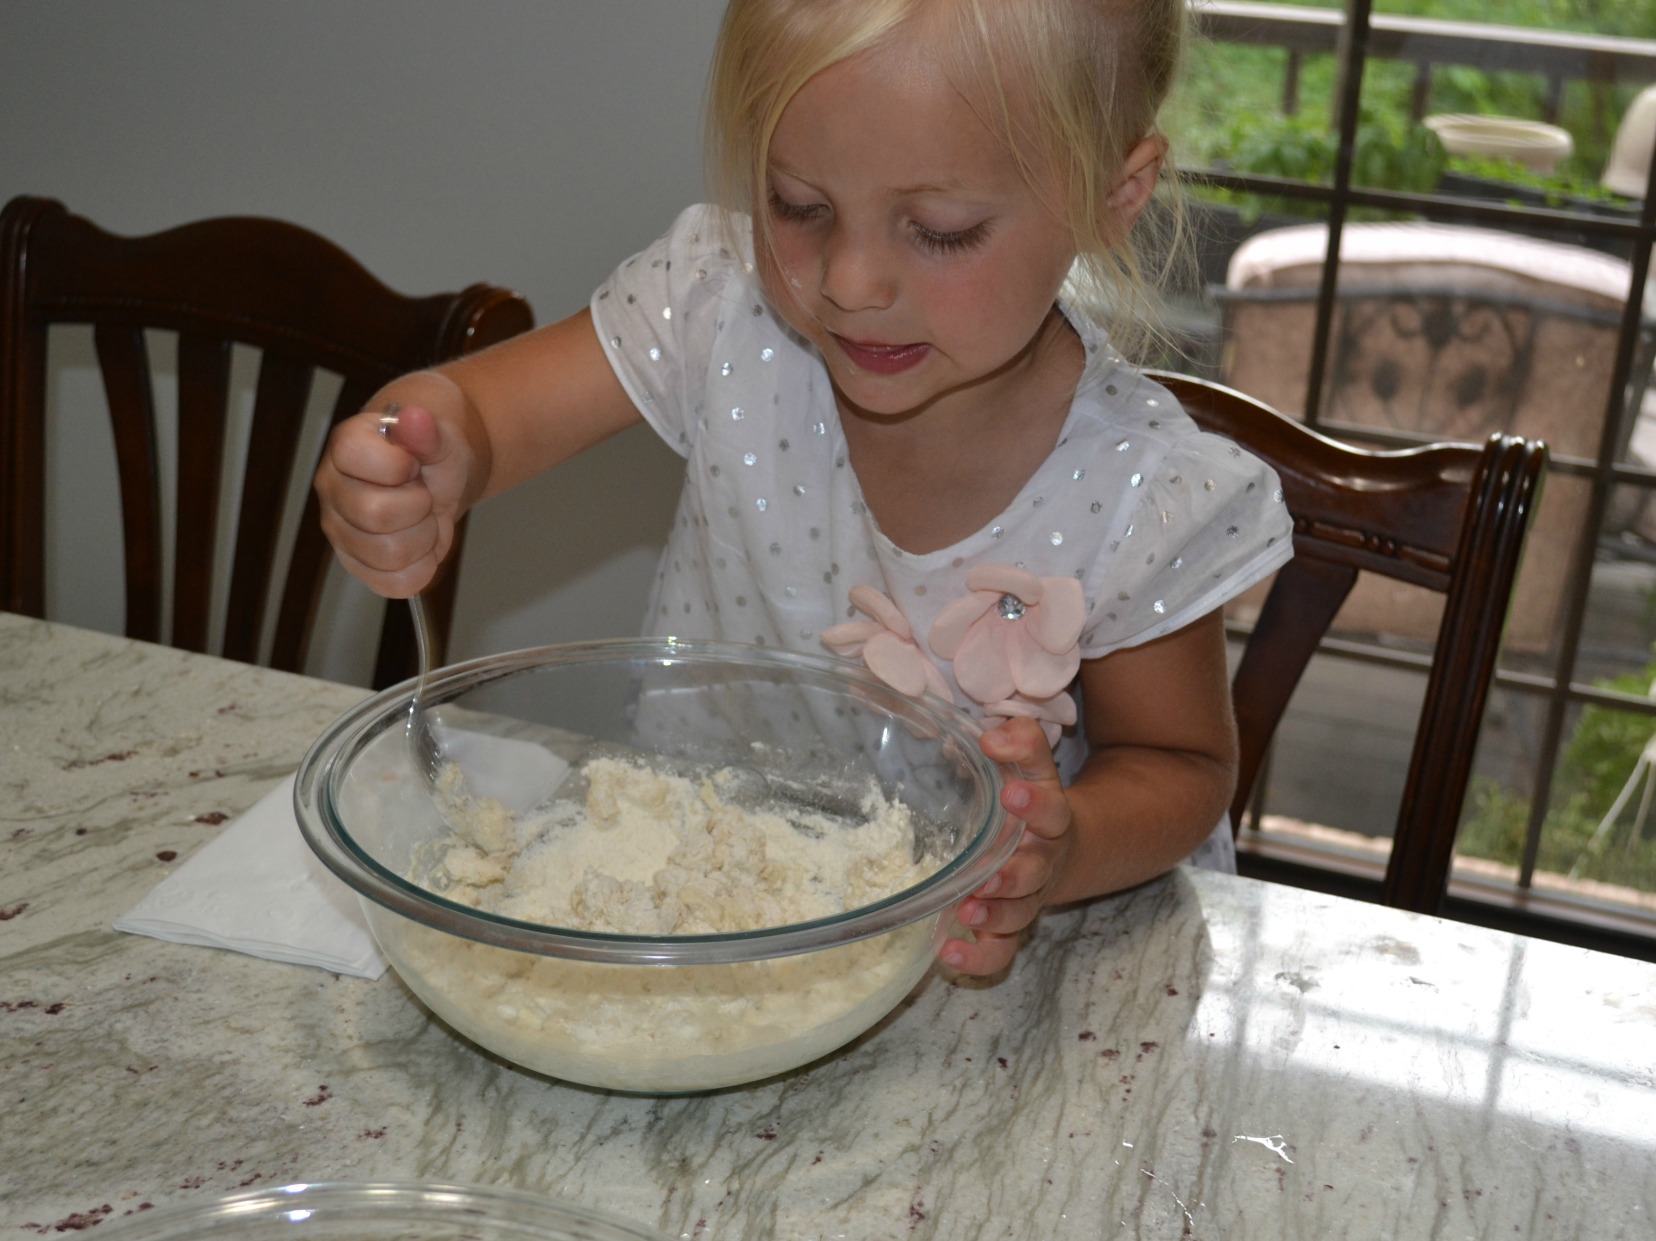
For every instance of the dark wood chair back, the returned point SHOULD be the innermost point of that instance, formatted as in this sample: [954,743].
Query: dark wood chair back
[295,297]
[1450,518]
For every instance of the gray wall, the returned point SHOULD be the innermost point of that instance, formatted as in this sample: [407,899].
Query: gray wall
[532,143]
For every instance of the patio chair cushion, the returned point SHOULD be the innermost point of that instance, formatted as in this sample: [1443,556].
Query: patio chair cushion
[1443,332]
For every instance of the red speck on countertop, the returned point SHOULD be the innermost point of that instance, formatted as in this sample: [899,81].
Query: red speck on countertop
[76,1222]
[167,855]
[212,818]
[6,915]
[18,1006]
[118,756]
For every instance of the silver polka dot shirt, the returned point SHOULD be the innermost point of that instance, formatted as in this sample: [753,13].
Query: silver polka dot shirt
[1160,521]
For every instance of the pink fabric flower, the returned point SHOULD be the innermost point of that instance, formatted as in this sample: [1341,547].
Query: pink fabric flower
[1015,636]
[886,644]
[1053,714]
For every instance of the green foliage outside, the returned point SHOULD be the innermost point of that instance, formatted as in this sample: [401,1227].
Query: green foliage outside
[1228,111]
[1228,114]
[1389,152]
[1594,767]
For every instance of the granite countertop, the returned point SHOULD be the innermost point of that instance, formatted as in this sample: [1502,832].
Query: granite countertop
[1205,1056]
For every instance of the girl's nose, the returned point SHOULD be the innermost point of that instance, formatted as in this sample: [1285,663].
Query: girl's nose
[855,273]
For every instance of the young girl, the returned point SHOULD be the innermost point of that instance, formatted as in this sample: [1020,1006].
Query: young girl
[909,438]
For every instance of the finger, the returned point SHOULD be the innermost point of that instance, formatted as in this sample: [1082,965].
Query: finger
[391,542]
[995,916]
[1024,874]
[358,450]
[1044,809]
[395,551]
[414,429]
[373,509]
[1020,745]
[989,954]
[391,584]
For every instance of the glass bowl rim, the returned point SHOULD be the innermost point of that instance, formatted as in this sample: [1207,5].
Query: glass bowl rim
[524,1210]
[989,844]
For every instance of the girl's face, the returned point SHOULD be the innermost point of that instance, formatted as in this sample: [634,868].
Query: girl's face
[907,246]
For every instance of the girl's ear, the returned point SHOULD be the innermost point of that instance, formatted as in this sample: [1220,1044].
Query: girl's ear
[1139,172]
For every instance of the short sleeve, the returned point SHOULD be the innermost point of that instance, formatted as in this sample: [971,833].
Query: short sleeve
[1209,522]
[659,312]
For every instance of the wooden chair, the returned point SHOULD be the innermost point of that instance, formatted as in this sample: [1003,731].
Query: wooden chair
[302,302]
[1449,517]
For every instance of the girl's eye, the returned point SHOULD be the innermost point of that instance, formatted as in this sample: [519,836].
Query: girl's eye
[781,209]
[951,243]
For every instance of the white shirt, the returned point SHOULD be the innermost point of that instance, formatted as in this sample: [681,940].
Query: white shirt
[1160,521]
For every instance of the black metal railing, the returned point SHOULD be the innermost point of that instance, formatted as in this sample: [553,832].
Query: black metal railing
[1357,36]
[1559,57]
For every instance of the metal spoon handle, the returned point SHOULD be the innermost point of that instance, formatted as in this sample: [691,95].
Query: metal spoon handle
[422,641]
[428,755]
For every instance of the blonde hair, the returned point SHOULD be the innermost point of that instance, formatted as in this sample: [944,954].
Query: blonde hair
[1069,86]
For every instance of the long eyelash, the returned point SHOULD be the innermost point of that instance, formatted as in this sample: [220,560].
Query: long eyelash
[784,210]
[952,243]
[929,239]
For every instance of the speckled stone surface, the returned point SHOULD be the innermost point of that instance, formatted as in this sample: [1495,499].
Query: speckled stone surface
[1206,1056]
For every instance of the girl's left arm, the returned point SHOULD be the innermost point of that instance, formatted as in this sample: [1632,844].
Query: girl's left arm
[1159,777]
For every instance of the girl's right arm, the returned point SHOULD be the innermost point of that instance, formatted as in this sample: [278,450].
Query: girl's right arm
[465,431]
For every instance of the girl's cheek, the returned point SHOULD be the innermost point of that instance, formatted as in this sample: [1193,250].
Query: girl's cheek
[787,294]
[782,276]
[791,270]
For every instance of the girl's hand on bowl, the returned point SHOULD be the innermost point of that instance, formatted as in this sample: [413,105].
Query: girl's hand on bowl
[1002,910]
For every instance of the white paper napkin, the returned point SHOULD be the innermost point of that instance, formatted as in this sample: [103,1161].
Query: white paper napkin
[257,888]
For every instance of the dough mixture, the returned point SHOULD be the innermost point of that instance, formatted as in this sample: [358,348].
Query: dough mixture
[657,854]
[652,853]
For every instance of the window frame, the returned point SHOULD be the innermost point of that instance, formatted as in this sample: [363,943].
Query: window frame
[1357,38]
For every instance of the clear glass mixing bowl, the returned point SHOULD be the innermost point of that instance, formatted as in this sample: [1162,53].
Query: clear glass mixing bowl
[672,1013]
[375,1211]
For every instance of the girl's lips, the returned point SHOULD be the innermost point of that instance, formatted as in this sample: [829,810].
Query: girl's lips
[882,359]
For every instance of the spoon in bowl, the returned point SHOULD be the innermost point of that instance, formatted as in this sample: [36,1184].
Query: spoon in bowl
[422,740]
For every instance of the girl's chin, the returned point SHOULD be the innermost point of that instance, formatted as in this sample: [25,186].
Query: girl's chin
[875,397]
